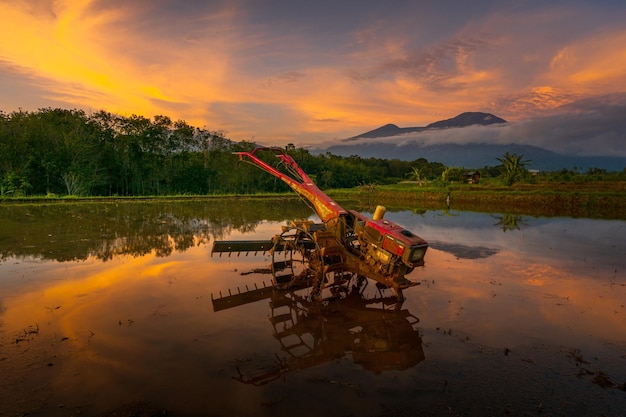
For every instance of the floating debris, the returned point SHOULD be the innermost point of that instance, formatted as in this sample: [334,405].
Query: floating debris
[603,380]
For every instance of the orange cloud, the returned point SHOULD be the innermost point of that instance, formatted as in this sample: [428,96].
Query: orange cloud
[85,64]
[593,65]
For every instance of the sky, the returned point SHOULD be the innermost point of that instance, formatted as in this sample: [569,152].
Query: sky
[311,73]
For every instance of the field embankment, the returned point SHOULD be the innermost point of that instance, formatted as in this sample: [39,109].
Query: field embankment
[593,200]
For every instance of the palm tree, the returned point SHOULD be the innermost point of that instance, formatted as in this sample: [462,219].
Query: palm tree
[514,167]
[445,175]
[416,175]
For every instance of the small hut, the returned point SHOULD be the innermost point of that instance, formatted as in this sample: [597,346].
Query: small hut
[472,177]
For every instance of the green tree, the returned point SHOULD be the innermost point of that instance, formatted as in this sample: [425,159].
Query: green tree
[416,175]
[514,168]
[14,185]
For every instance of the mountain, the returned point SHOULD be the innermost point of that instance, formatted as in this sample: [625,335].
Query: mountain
[386,131]
[467,147]
[462,120]
[467,119]
[476,155]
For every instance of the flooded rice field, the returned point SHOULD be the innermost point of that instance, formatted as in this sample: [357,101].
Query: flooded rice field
[119,309]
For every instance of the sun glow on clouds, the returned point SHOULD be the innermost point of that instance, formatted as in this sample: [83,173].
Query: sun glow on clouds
[85,63]
[59,49]
[596,63]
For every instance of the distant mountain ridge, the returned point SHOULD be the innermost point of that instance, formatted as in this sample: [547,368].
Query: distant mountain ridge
[467,155]
[462,120]
[468,119]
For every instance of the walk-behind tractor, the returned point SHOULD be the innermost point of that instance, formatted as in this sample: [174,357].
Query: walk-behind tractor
[338,255]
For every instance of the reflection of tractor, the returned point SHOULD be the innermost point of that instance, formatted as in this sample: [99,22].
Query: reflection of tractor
[378,334]
[346,247]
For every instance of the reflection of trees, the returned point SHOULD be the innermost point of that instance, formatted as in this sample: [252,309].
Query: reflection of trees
[446,212]
[510,222]
[75,231]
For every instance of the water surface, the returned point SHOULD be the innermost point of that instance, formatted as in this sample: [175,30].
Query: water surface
[108,309]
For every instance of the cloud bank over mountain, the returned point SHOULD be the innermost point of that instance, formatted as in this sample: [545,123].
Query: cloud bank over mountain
[593,126]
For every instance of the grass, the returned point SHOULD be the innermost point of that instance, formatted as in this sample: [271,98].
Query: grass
[600,199]
[74,198]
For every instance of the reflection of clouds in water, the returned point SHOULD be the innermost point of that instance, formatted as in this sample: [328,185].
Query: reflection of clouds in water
[263,230]
[137,319]
[508,299]
[463,251]
[600,244]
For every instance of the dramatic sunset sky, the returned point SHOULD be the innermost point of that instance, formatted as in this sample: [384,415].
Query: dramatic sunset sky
[277,71]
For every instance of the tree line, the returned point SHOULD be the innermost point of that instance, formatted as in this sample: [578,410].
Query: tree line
[68,152]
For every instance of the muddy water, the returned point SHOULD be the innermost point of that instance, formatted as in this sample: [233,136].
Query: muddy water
[120,309]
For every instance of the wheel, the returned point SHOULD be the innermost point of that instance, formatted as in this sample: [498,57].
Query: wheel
[297,261]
